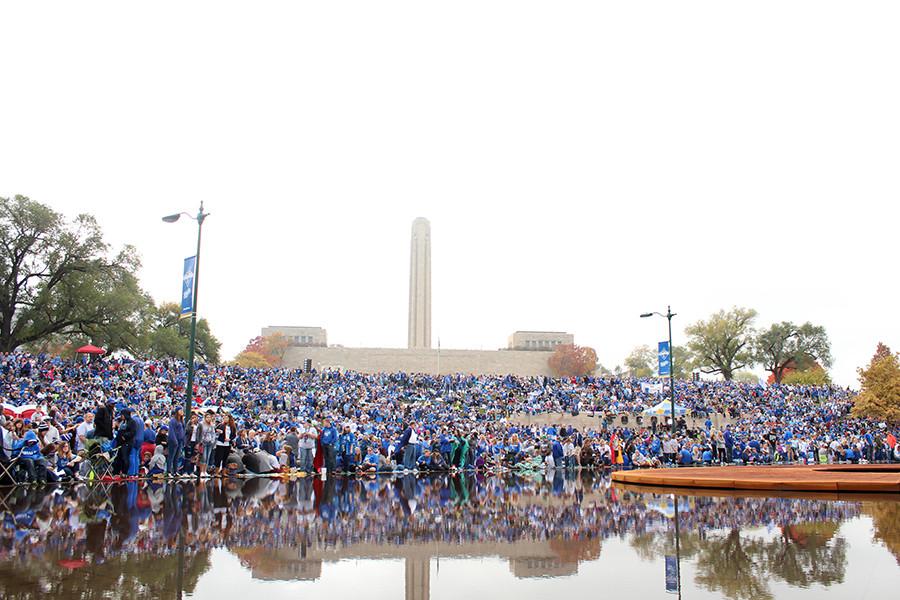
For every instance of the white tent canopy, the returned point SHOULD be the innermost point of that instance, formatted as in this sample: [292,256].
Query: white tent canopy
[664,408]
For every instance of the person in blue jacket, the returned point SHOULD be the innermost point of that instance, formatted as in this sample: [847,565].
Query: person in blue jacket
[557,450]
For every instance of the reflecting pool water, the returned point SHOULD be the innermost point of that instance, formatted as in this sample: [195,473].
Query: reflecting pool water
[570,536]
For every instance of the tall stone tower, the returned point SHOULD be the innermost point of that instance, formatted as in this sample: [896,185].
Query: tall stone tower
[420,285]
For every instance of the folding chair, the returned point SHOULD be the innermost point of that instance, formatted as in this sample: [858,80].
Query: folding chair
[5,494]
[8,472]
[101,465]
[98,492]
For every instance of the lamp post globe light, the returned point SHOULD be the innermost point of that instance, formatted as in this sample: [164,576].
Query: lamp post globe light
[669,314]
[201,216]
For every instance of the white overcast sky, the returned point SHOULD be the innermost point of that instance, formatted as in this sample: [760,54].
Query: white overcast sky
[580,162]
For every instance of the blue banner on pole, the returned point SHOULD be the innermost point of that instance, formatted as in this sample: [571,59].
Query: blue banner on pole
[187,286]
[665,359]
[671,574]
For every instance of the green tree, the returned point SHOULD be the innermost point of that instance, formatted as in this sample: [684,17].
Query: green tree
[168,335]
[641,362]
[807,553]
[728,564]
[683,362]
[886,524]
[879,395]
[785,344]
[722,344]
[59,278]
[126,575]
[746,377]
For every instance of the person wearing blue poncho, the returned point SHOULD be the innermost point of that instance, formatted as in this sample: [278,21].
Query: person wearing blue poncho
[28,450]
[175,441]
[134,460]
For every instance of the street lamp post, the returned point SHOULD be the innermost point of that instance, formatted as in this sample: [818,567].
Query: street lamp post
[669,314]
[201,216]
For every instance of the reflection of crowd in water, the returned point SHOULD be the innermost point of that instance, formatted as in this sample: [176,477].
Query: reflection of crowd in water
[94,523]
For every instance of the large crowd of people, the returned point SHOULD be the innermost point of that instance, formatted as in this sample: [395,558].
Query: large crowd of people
[119,417]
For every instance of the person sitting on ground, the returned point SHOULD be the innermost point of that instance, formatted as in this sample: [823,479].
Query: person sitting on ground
[423,463]
[66,463]
[372,461]
[587,454]
[156,468]
[685,457]
[284,458]
[261,462]
[638,459]
[437,463]
[234,464]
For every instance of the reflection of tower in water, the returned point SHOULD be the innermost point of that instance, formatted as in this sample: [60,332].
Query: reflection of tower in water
[418,578]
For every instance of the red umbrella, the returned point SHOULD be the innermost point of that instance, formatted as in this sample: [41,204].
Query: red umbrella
[89,349]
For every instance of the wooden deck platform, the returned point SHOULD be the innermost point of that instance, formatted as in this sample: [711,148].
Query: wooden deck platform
[799,478]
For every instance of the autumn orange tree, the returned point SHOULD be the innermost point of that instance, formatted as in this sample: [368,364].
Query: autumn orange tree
[879,396]
[803,371]
[268,349]
[814,375]
[251,360]
[569,360]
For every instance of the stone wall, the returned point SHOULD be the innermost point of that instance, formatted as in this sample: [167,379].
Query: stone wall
[379,360]
[588,420]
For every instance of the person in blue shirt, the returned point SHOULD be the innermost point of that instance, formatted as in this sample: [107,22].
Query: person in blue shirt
[329,440]
[685,458]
